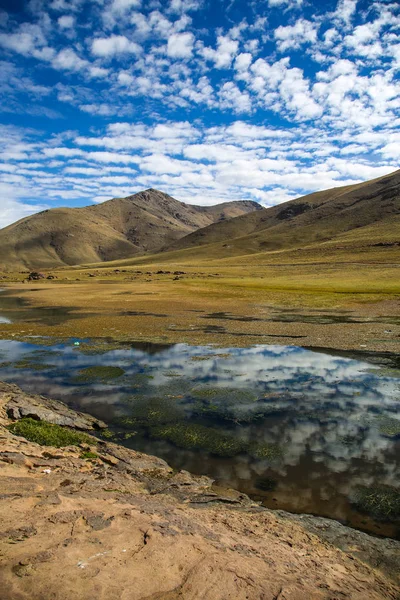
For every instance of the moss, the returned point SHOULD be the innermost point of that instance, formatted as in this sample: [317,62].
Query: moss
[389,426]
[381,502]
[101,373]
[89,455]
[192,436]
[47,434]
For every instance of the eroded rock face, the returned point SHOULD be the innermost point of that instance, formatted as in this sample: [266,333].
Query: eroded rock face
[124,525]
[18,405]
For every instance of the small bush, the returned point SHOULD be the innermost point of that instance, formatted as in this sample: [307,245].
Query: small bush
[47,434]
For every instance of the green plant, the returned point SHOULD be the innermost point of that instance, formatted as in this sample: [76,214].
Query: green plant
[47,434]
[102,373]
[88,455]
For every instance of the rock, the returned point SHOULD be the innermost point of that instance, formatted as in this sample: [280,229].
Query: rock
[43,409]
[35,276]
[111,460]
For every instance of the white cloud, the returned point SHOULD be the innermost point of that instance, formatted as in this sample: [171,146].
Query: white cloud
[180,45]
[232,97]
[13,210]
[68,60]
[294,36]
[113,45]
[345,10]
[224,53]
[290,3]
[66,21]
[121,6]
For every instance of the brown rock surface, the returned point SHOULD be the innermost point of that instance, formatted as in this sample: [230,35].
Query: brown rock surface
[124,526]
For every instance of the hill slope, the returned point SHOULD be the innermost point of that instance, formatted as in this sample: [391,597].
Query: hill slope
[114,230]
[370,210]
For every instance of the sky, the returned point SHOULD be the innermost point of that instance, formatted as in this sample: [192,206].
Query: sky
[208,101]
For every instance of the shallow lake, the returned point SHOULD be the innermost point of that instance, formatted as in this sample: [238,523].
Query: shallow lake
[296,429]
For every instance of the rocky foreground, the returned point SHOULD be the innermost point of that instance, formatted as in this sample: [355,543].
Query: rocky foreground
[99,521]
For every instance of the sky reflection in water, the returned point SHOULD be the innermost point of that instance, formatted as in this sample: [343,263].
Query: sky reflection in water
[322,412]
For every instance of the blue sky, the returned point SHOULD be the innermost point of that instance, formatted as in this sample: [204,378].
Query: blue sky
[206,100]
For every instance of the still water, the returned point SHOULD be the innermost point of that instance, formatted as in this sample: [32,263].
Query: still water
[300,430]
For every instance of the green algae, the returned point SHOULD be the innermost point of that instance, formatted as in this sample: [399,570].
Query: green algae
[28,364]
[193,436]
[264,450]
[388,426]
[381,502]
[221,394]
[151,411]
[99,373]
[47,434]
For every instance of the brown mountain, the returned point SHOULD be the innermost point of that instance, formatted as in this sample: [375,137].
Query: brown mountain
[117,229]
[368,211]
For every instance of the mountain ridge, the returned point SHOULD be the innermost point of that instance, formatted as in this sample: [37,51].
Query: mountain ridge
[313,218]
[116,229]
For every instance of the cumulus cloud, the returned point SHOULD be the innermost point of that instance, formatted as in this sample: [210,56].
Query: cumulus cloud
[180,45]
[265,106]
[113,45]
[293,36]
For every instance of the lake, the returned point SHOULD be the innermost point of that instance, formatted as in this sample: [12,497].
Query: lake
[305,431]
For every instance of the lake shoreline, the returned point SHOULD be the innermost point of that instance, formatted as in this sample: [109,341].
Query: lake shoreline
[91,505]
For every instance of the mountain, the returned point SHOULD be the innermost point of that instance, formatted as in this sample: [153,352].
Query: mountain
[117,229]
[367,212]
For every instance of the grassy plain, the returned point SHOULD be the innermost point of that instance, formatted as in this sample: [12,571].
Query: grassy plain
[318,297]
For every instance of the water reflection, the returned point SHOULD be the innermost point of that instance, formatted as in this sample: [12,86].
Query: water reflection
[300,430]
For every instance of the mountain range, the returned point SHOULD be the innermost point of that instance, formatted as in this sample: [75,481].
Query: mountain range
[116,229]
[151,222]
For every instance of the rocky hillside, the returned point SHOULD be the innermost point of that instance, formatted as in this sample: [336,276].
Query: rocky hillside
[117,229]
[92,520]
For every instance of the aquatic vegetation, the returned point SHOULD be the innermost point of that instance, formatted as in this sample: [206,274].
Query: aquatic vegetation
[384,372]
[266,484]
[151,411]
[264,450]
[107,434]
[101,373]
[231,411]
[48,434]
[210,356]
[381,502]
[136,380]
[388,426]
[193,436]
[32,365]
[219,394]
